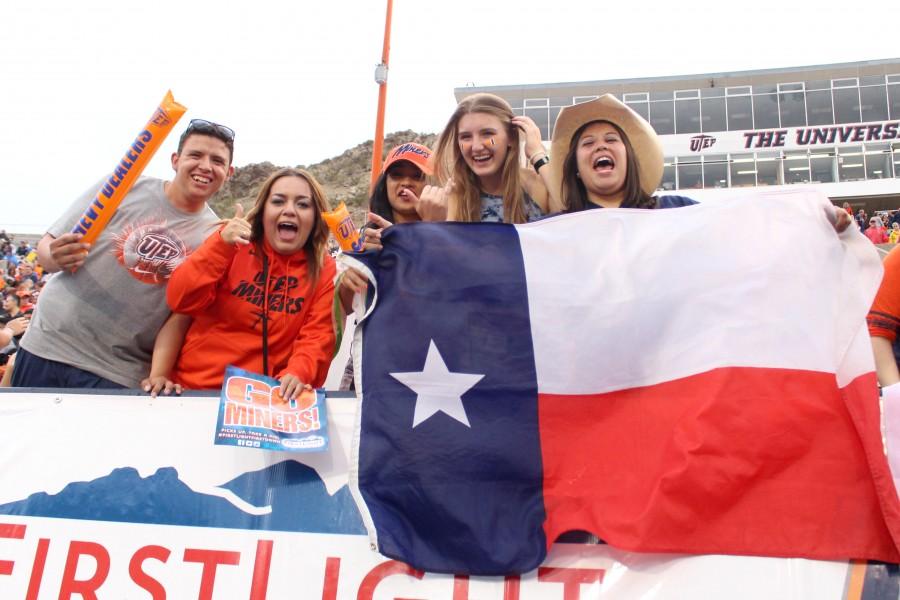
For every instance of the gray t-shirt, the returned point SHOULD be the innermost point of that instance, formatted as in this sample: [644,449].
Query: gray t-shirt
[104,318]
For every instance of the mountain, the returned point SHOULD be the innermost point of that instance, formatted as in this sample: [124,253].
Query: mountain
[344,177]
[295,492]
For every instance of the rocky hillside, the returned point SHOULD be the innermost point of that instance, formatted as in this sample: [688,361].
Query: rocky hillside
[345,177]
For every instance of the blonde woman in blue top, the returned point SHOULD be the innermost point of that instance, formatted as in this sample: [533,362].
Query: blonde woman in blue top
[477,164]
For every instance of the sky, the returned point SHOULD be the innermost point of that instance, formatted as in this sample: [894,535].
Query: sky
[295,80]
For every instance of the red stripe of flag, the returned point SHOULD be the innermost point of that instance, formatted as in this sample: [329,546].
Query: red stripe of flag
[737,460]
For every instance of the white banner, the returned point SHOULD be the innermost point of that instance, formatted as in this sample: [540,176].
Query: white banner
[127,497]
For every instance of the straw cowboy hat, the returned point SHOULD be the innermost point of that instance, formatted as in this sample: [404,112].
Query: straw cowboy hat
[647,147]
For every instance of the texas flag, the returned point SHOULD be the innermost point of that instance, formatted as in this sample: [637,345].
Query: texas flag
[694,380]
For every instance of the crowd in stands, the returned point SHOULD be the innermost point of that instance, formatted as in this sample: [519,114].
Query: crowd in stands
[21,280]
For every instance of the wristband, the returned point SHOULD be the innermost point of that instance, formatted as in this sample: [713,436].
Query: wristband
[538,153]
[540,163]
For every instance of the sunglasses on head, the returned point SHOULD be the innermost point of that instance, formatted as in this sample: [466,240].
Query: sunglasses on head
[204,126]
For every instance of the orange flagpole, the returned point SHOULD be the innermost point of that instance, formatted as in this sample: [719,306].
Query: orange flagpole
[381,72]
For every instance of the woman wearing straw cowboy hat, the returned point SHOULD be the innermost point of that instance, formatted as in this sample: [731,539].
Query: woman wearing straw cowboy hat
[605,155]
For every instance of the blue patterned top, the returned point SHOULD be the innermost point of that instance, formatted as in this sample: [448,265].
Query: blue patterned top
[492,208]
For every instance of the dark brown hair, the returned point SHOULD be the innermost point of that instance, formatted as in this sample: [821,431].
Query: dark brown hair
[574,194]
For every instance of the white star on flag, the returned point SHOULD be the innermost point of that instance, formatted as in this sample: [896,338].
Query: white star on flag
[437,389]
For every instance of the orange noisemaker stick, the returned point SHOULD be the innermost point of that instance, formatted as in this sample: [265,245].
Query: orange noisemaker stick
[343,229]
[139,153]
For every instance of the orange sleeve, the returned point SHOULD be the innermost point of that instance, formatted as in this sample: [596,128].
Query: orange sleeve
[192,287]
[314,347]
[884,317]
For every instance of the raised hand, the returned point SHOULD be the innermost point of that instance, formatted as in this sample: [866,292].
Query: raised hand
[237,228]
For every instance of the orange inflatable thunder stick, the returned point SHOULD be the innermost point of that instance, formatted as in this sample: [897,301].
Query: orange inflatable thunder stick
[343,230]
[139,153]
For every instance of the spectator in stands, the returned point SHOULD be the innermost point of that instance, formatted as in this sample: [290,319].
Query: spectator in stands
[894,217]
[26,299]
[25,272]
[99,317]
[477,163]
[9,255]
[4,237]
[260,293]
[23,250]
[876,231]
[884,321]
[894,235]
[12,309]
[846,206]
[862,220]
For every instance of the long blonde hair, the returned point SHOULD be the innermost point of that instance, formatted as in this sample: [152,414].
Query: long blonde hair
[317,243]
[465,198]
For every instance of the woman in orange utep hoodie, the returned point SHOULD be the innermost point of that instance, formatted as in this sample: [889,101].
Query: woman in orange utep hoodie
[259,292]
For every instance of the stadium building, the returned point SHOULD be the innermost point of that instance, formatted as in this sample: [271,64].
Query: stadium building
[836,126]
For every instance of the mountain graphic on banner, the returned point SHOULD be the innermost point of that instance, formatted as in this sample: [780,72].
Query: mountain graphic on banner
[296,494]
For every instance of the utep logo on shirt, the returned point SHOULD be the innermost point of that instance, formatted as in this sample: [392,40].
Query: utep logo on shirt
[150,251]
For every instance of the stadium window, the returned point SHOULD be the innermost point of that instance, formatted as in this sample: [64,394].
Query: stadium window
[712,115]
[791,105]
[743,170]
[669,181]
[818,107]
[740,113]
[580,99]
[796,167]
[878,161]
[640,107]
[847,82]
[846,103]
[715,171]
[896,153]
[539,111]
[690,173]
[768,168]
[687,116]
[554,113]
[765,111]
[871,80]
[851,165]
[712,92]
[894,100]
[873,103]
[822,165]
[822,84]
[662,116]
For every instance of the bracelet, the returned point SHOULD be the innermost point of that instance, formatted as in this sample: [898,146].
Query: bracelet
[540,163]
[538,153]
